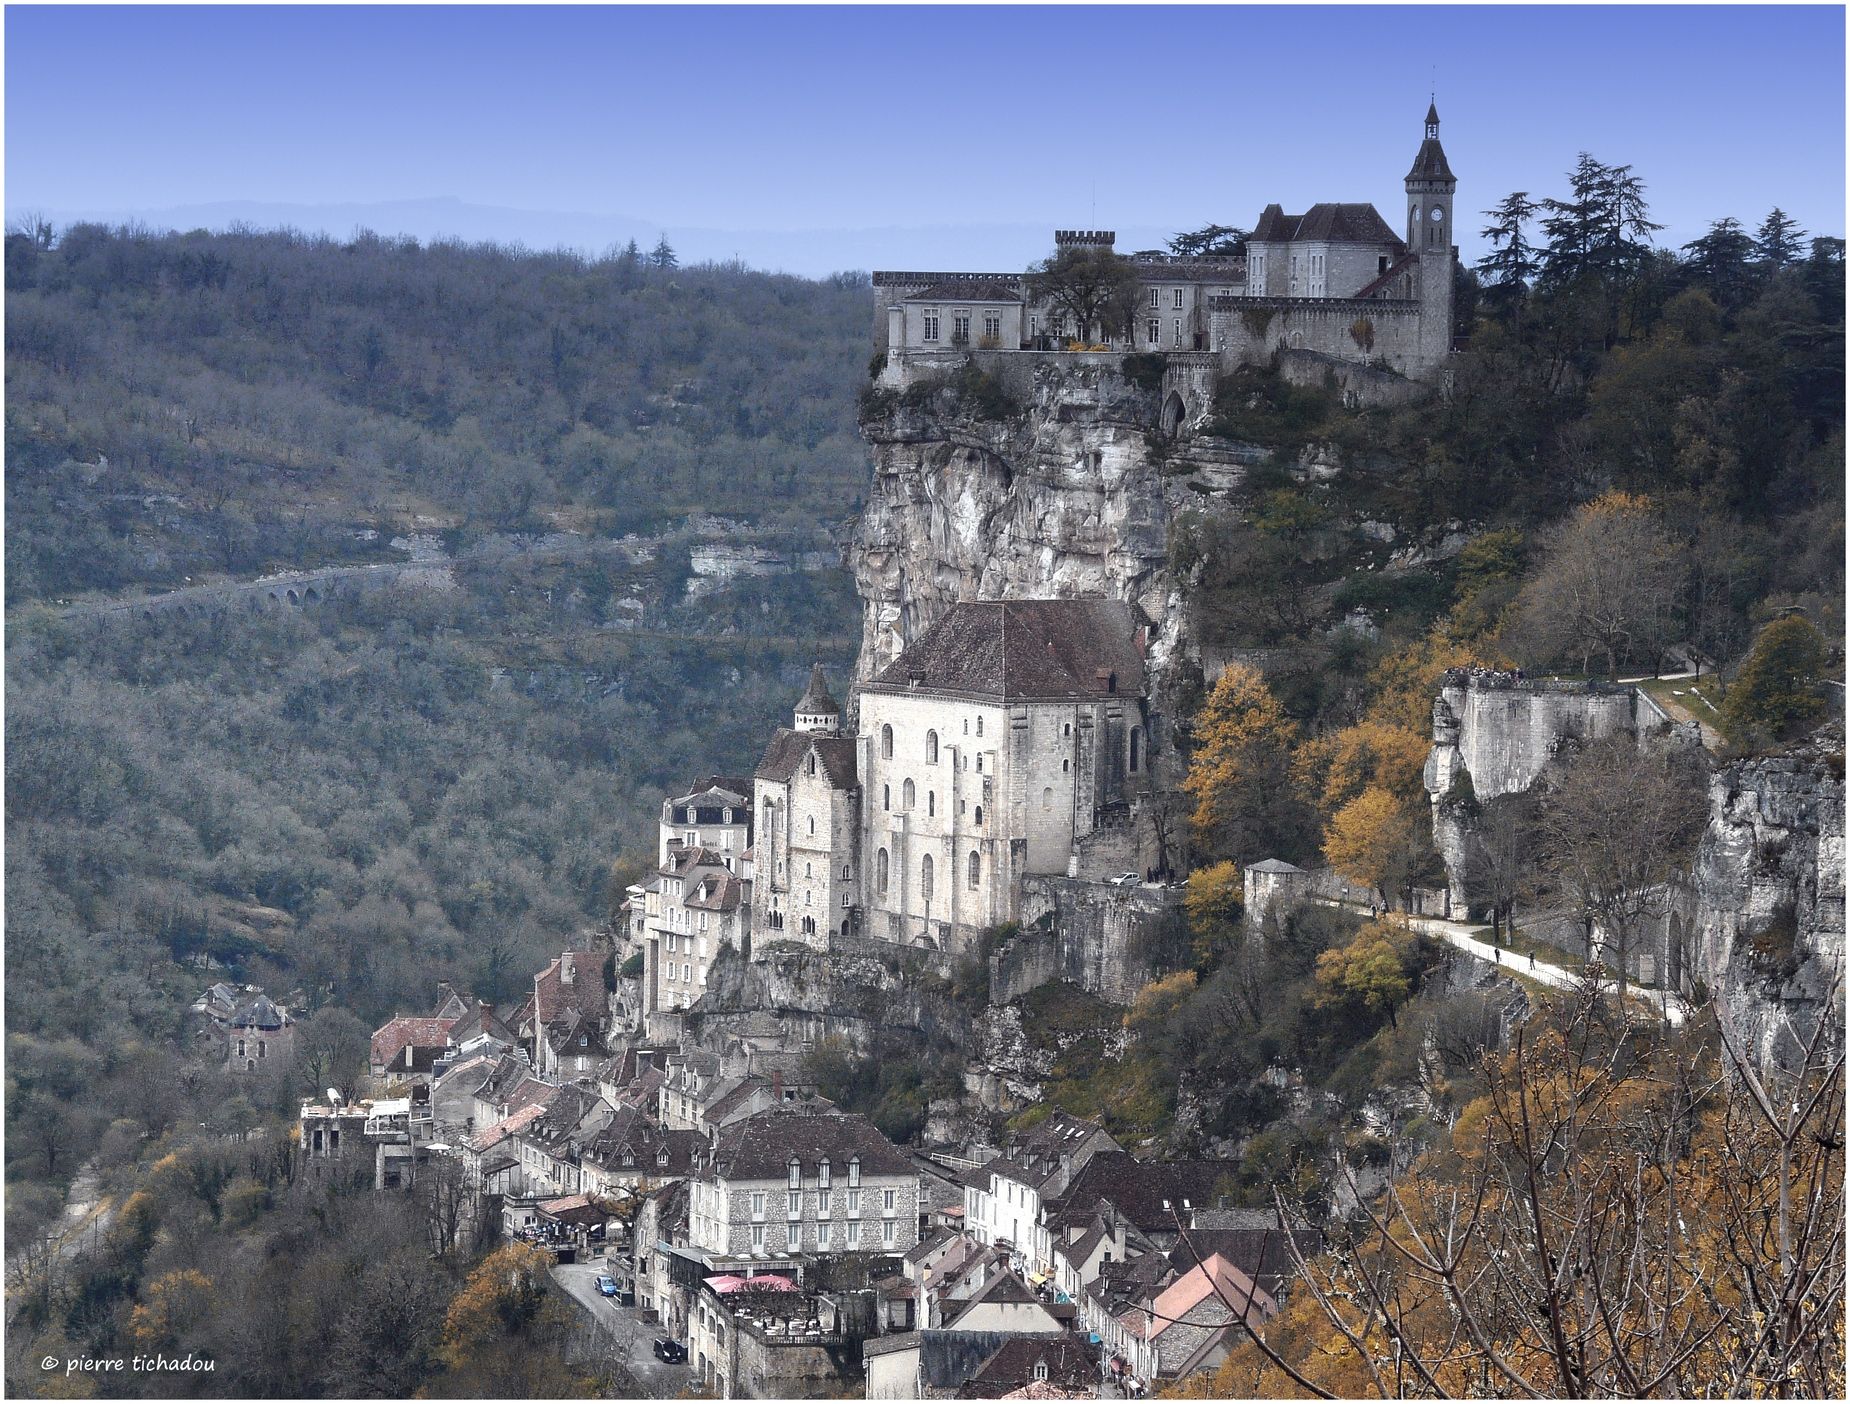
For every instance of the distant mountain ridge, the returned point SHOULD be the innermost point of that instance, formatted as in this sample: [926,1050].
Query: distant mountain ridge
[807,252]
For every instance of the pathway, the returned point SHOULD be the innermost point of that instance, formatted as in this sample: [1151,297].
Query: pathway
[629,1330]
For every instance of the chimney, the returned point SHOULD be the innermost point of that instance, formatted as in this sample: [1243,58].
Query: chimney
[777,1085]
[488,1010]
[565,968]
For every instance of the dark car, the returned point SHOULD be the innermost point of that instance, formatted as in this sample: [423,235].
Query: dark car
[607,1285]
[671,1352]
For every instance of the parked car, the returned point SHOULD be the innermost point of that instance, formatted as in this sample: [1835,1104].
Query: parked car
[670,1352]
[1125,880]
[607,1284]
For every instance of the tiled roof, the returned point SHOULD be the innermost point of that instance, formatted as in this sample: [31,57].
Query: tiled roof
[1325,223]
[1006,649]
[1395,269]
[513,1125]
[1069,1361]
[259,1013]
[835,755]
[1274,865]
[967,290]
[553,997]
[817,700]
[760,1147]
[732,788]
[1216,1278]
[724,893]
[406,1031]
[480,1020]
[1155,1196]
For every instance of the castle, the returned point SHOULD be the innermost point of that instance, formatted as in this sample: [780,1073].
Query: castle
[995,747]
[1336,281]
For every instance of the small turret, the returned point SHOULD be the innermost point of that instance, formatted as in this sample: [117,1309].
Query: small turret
[818,710]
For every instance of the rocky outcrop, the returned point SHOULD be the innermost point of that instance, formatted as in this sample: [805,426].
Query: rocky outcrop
[1769,890]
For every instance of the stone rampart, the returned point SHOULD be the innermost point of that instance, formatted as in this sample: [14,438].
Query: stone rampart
[1107,939]
[1249,330]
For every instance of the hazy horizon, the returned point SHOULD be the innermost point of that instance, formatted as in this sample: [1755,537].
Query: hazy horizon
[816,140]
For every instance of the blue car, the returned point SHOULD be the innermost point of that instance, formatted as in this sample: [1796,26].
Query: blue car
[607,1285]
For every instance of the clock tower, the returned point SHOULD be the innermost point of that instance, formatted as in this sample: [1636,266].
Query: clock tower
[1430,190]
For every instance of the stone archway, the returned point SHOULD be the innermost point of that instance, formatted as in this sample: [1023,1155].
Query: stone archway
[1175,413]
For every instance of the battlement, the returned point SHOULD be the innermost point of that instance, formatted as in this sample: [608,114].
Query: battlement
[1064,237]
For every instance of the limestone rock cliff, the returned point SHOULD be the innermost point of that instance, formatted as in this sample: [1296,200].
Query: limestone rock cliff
[1068,494]
[1769,886]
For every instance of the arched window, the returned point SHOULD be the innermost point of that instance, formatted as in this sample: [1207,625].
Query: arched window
[931,748]
[925,878]
[812,762]
[886,796]
[979,726]
[1136,748]
[886,742]
[976,871]
[812,825]
[1047,798]
[908,795]
[880,872]
[931,804]
[806,871]
[979,814]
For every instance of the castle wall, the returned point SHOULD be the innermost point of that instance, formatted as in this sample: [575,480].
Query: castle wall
[1104,939]
[1248,330]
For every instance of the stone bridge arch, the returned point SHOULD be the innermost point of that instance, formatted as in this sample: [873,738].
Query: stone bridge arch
[1175,413]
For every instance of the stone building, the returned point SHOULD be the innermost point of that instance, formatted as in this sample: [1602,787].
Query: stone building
[991,747]
[805,859]
[792,1182]
[1336,280]
[259,1038]
[715,814]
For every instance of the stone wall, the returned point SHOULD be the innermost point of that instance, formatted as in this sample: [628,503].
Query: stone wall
[1108,940]
[1248,330]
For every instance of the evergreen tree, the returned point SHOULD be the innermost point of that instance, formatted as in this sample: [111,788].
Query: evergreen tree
[1775,692]
[1513,261]
[1213,241]
[662,255]
[1572,224]
[1780,241]
[1719,260]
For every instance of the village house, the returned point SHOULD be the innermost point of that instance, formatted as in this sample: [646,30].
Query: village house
[1066,1363]
[1190,1323]
[765,1338]
[549,1146]
[1003,1202]
[405,1048]
[561,1024]
[795,1182]
[259,1038]
[631,1151]
[376,1141]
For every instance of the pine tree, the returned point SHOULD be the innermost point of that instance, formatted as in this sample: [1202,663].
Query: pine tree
[1776,692]
[662,255]
[1513,261]
[1780,241]
[1572,225]
[1720,261]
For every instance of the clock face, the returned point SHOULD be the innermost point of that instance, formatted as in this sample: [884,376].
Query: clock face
[1437,214]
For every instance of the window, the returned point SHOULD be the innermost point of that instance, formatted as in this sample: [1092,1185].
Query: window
[1136,748]
[1040,1369]
[757,1204]
[925,878]
[1178,340]
[979,726]
[931,324]
[886,796]
[978,816]
[824,1231]
[793,1205]
[886,742]
[796,1172]
[687,973]
[1177,303]
[931,804]
[908,795]
[822,1175]
[758,1238]
[847,873]
[812,762]
[889,1200]
[807,871]
[854,1234]
[960,326]
[979,762]
[992,326]
[931,748]
[1156,298]
[880,874]
[976,871]
[886,1233]
[854,1171]
[1153,330]
[1047,798]
[845,902]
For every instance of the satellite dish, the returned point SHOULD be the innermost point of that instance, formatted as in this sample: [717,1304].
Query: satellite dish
[334,1096]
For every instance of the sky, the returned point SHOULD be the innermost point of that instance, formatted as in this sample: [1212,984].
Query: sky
[812,138]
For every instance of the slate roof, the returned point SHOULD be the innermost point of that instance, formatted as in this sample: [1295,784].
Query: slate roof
[967,290]
[816,697]
[481,1020]
[731,787]
[1430,163]
[1152,1195]
[431,1035]
[632,1133]
[1069,1360]
[1250,1239]
[760,1147]
[259,1013]
[948,1358]
[835,755]
[1395,269]
[1326,223]
[725,893]
[1008,649]
[1274,865]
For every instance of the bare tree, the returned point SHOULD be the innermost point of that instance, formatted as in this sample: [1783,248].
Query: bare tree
[1614,826]
[447,1204]
[1090,283]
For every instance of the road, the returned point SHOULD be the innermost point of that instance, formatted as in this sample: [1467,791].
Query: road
[631,1333]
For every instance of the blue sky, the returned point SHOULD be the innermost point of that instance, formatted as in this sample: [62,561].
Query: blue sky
[743,124]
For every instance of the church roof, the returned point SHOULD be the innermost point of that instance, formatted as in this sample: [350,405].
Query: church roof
[1006,649]
[816,698]
[1325,223]
[788,747]
[1431,164]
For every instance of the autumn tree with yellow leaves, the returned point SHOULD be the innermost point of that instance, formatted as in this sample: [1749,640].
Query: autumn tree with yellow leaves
[504,1332]
[1245,806]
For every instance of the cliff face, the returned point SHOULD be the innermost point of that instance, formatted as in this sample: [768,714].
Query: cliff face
[1769,887]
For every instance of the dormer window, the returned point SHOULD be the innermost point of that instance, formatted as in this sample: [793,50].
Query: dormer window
[854,1171]
[822,1175]
[796,1172]
[1040,1369]
[661,1156]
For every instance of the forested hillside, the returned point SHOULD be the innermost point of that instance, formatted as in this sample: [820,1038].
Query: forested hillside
[357,797]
